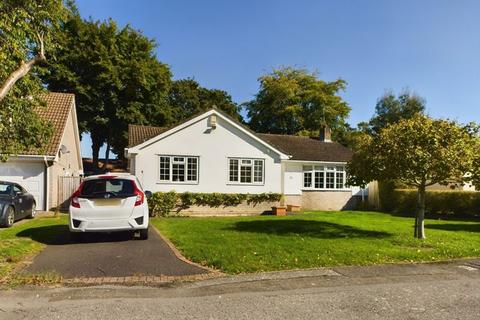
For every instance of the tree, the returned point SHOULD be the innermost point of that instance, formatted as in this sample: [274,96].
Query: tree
[474,176]
[391,109]
[26,37]
[188,98]
[418,152]
[116,78]
[295,101]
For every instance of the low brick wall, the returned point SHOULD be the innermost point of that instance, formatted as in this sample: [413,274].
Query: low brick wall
[328,200]
[243,209]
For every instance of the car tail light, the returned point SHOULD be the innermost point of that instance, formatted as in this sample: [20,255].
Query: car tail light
[74,202]
[140,195]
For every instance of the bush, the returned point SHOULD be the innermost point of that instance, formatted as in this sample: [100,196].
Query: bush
[163,203]
[444,202]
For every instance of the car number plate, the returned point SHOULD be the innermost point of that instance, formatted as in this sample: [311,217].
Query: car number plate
[107,202]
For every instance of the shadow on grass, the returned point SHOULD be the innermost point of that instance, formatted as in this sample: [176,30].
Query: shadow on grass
[306,228]
[60,235]
[445,217]
[455,227]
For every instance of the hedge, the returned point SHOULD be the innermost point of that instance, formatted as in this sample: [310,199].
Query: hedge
[437,202]
[164,203]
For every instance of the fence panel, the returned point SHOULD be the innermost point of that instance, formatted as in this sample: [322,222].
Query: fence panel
[66,187]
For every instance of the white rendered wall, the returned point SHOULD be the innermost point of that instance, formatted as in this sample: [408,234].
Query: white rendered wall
[213,147]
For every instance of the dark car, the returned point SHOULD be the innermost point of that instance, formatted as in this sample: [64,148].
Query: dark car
[15,203]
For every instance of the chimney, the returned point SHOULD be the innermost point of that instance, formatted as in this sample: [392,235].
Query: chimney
[325,134]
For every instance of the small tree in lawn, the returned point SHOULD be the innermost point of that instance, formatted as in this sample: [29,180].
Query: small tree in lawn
[418,152]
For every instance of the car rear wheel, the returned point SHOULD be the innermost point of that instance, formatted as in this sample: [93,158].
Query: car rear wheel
[9,218]
[33,212]
[76,236]
[143,234]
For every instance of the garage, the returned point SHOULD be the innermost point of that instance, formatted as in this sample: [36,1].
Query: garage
[29,174]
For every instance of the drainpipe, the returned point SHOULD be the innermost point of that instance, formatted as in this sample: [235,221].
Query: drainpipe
[47,184]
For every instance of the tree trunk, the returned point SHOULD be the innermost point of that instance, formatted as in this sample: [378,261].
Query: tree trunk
[22,70]
[96,145]
[420,229]
[107,157]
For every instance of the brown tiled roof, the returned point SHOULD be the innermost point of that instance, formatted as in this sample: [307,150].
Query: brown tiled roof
[307,148]
[56,111]
[138,134]
[299,148]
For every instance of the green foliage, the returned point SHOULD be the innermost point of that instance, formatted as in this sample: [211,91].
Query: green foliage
[187,98]
[448,202]
[163,203]
[115,76]
[293,101]
[417,151]
[27,39]
[391,109]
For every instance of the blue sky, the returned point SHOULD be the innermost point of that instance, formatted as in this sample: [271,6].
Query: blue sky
[431,47]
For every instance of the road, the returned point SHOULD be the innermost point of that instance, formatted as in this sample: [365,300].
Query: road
[431,291]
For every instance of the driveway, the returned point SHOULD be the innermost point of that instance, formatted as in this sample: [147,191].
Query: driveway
[110,255]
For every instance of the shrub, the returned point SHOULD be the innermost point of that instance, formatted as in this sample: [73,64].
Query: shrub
[163,203]
[438,202]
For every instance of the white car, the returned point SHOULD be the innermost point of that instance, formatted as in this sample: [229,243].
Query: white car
[108,203]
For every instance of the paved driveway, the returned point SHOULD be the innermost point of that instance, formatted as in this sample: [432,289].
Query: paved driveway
[110,255]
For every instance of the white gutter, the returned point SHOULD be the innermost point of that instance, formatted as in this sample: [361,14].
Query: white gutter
[317,161]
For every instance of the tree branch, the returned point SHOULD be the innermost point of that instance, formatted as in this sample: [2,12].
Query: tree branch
[23,69]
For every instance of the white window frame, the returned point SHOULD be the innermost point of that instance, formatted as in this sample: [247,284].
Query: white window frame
[325,169]
[184,160]
[239,165]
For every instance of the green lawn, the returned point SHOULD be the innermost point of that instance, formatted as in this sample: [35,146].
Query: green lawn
[23,241]
[316,239]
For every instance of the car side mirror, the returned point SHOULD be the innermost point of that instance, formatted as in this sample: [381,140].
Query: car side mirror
[148,194]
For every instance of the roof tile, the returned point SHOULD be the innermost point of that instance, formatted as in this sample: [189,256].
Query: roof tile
[57,109]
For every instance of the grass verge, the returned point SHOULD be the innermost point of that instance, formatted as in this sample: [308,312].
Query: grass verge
[316,239]
[17,245]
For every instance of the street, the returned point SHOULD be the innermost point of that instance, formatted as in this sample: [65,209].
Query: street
[420,291]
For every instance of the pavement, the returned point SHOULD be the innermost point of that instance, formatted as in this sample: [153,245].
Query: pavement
[111,255]
[449,290]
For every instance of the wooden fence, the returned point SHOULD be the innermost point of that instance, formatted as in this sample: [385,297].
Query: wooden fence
[66,187]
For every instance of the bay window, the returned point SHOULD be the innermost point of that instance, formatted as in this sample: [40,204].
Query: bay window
[323,177]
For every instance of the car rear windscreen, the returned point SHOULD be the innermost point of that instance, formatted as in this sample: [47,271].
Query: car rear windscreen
[113,187]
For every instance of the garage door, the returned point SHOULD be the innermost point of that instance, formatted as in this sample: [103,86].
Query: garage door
[30,175]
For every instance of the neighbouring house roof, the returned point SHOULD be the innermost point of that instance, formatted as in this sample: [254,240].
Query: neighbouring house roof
[308,148]
[138,134]
[298,148]
[58,107]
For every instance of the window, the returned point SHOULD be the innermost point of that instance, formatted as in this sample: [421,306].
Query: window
[249,171]
[165,168]
[178,169]
[116,188]
[319,179]
[340,178]
[324,177]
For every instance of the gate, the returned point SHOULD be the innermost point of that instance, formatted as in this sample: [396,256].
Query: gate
[66,187]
